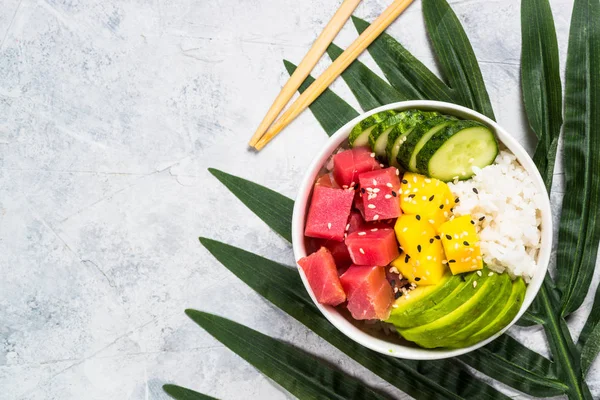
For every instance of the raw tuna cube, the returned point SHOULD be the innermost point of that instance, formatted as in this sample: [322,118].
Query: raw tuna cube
[328,213]
[340,253]
[380,199]
[356,222]
[327,180]
[348,164]
[369,293]
[321,272]
[373,247]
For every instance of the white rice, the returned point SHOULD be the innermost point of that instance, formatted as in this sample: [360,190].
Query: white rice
[509,235]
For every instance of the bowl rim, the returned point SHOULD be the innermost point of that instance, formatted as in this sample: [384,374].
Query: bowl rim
[340,322]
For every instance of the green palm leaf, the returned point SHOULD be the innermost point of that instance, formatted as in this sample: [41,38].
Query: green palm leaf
[579,230]
[369,89]
[330,110]
[511,363]
[283,362]
[589,339]
[273,208]
[181,393]
[456,57]
[404,72]
[281,285]
[540,81]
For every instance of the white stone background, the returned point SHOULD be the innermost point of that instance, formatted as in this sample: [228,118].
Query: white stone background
[110,114]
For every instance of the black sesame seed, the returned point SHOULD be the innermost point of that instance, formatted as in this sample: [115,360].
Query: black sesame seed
[397,295]
[406,259]
[411,195]
[452,209]
[472,222]
[393,193]
[451,261]
[456,200]
[419,248]
[475,190]
[437,237]
[404,181]
[431,240]
[417,279]
[392,282]
[462,278]
[362,190]
[441,206]
[418,217]
[431,198]
[466,243]
[448,237]
[482,218]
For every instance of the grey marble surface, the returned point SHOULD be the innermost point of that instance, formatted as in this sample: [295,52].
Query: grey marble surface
[110,114]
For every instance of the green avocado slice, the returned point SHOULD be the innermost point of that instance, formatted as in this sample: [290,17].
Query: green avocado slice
[508,313]
[421,299]
[461,293]
[496,305]
[431,334]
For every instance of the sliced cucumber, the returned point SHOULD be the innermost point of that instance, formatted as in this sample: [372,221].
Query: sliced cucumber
[407,154]
[359,136]
[379,134]
[400,132]
[453,151]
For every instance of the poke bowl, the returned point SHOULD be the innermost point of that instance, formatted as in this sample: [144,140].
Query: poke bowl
[422,230]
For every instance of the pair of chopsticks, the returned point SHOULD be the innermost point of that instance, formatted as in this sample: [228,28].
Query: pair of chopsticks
[267,130]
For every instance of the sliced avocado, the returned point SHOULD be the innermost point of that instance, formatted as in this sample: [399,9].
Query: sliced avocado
[421,299]
[496,305]
[508,313]
[430,335]
[461,293]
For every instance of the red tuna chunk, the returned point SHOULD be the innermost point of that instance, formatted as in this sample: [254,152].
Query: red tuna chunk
[373,247]
[369,293]
[348,164]
[321,272]
[380,199]
[328,213]
[356,222]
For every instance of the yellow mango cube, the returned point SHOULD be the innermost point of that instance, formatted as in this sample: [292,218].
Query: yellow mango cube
[461,245]
[414,234]
[427,269]
[430,198]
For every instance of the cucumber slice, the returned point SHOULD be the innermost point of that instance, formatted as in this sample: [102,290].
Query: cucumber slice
[407,154]
[400,132]
[359,136]
[452,152]
[379,134]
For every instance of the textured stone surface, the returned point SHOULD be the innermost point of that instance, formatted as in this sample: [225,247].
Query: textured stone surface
[110,114]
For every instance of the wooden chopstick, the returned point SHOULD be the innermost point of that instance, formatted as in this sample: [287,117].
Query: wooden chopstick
[306,65]
[335,69]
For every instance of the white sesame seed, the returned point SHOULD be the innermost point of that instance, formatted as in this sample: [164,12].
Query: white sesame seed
[490,274]
[424,198]
[374,230]
[347,226]
[344,186]
[415,190]
[389,185]
[444,262]
[376,190]
[352,184]
[381,165]
[362,233]
[388,196]
[371,206]
[456,245]
[404,229]
[456,236]
[474,283]
[397,171]
[427,273]
[479,273]
[329,225]
[445,214]
[372,155]
[394,305]
[407,191]
[431,221]
[395,290]
[361,251]
[374,182]
[468,259]
[375,217]
[429,257]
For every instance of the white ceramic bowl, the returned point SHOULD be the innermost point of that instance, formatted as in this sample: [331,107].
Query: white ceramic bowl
[392,344]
